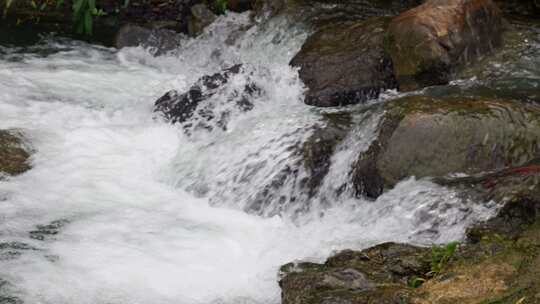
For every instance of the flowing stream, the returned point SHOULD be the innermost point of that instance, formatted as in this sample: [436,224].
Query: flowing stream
[122,207]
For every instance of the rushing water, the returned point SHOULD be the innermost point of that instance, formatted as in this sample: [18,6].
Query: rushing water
[122,207]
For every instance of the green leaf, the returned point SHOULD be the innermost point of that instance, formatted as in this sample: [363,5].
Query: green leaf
[77,5]
[416,282]
[79,26]
[92,5]
[43,6]
[88,22]
[33,4]
[8,4]
[59,3]
[126,3]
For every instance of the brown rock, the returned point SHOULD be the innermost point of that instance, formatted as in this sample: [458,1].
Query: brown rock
[428,42]
[13,156]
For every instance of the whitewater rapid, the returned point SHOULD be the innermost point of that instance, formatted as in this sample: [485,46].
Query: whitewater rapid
[148,214]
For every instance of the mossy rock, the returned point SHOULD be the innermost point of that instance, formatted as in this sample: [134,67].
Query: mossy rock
[427,137]
[376,275]
[13,154]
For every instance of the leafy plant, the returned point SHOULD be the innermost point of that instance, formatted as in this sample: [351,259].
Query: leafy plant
[416,282]
[440,256]
[84,12]
[221,6]
[82,16]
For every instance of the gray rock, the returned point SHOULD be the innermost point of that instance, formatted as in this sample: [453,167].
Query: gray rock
[160,41]
[201,17]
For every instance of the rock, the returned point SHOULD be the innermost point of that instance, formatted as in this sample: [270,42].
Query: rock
[496,270]
[376,275]
[240,6]
[160,41]
[13,154]
[422,136]
[345,64]
[529,8]
[428,42]
[324,12]
[201,17]
[194,107]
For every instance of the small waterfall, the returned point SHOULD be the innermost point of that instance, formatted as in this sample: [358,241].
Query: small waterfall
[123,207]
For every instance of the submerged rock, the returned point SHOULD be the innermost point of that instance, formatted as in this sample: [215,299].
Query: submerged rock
[160,41]
[345,63]
[428,42]
[13,155]
[195,108]
[427,137]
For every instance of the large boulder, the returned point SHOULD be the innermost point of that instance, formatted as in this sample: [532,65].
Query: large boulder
[345,63]
[306,173]
[196,108]
[427,137]
[13,154]
[428,42]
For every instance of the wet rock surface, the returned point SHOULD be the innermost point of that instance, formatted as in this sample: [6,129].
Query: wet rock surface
[428,42]
[456,135]
[325,12]
[201,17]
[196,108]
[13,154]
[160,41]
[345,64]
